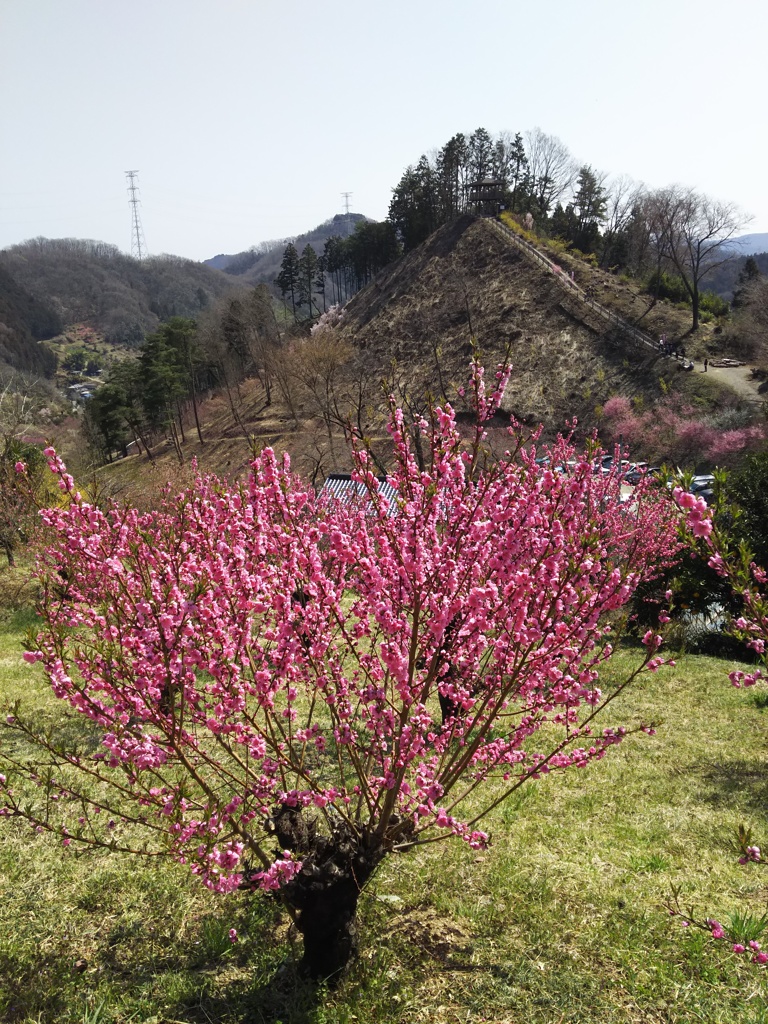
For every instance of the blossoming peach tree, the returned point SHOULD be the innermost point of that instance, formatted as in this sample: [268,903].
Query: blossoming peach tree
[284,691]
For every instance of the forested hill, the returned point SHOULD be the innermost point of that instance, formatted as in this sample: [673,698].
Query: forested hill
[261,263]
[91,282]
[465,282]
[24,323]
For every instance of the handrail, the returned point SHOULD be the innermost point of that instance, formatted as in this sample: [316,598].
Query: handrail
[570,285]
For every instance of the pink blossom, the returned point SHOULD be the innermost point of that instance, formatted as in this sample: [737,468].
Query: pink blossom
[225,644]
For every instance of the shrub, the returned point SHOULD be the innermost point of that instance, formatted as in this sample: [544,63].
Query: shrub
[667,286]
[709,302]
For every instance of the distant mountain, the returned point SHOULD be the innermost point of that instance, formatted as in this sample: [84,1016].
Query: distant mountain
[749,245]
[261,263]
[217,262]
[724,280]
[124,299]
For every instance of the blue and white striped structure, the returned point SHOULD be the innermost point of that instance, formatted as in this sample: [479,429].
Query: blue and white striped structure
[342,487]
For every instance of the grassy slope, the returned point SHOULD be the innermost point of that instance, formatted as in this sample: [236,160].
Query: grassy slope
[559,921]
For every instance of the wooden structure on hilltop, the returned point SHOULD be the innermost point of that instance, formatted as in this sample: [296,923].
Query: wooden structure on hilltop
[486,197]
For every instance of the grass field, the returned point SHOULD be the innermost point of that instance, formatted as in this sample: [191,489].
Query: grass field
[560,921]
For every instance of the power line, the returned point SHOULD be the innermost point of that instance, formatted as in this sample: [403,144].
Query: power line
[138,242]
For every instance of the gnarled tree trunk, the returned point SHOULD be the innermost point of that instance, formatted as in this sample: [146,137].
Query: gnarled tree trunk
[326,891]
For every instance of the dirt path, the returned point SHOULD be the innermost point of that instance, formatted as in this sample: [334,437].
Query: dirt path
[737,377]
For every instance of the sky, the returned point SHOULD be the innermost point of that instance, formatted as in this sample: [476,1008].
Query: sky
[247,119]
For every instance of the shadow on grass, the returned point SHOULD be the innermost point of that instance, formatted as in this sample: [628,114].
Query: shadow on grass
[19,620]
[285,998]
[725,783]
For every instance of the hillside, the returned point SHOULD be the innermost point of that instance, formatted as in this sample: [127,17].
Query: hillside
[750,245]
[724,280]
[120,297]
[410,331]
[261,263]
[466,281]
[24,322]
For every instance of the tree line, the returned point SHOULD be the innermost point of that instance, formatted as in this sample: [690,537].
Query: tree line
[617,222]
[155,395]
[310,282]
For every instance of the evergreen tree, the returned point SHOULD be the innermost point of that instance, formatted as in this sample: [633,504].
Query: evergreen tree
[106,420]
[320,279]
[451,174]
[748,274]
[589,204]
[163,381]
[115,414]
[307,273]
[288,278]
[371,248]
[333,257]
[519,176]
[414,207]
[564,223]
[480,155]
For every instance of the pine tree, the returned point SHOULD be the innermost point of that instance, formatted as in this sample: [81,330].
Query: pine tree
[288,278]
[519,177]
[414,207]
[451,172]
[480,155]
[589,205]
[307,272]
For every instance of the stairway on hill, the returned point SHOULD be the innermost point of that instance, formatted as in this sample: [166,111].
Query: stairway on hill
[569,285]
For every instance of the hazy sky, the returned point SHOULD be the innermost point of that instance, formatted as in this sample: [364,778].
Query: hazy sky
[247,119]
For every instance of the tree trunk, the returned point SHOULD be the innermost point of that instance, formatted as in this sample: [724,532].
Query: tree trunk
[181,422]
[326,891]
[193,389]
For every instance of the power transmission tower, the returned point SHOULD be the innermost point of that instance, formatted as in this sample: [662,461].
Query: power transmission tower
[138,242]
[346,210]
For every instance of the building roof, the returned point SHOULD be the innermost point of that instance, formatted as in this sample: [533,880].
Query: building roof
[342,487]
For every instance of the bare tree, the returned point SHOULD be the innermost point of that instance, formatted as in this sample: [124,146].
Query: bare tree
[318,366]
[623,202]
[551,166]
[691,234]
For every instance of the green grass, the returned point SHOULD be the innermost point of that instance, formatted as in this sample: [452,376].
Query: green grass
[561,920]
[703,392]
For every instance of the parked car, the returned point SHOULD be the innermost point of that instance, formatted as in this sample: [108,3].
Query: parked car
[703,487]
[638,470]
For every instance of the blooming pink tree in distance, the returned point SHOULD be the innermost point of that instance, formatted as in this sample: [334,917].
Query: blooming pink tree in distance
[284,691]
[678,433]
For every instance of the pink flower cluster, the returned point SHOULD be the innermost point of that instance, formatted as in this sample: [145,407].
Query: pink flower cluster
[697,513]
[752,948]
[669,432]
[245,648]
